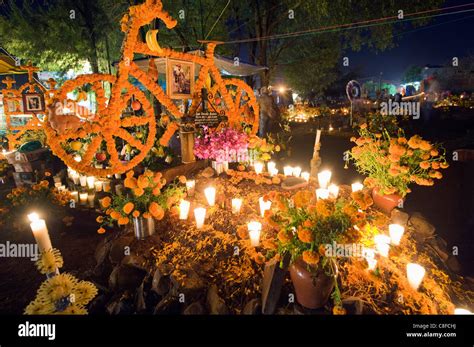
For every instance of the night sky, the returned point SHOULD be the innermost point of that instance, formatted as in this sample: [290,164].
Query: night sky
[435,43]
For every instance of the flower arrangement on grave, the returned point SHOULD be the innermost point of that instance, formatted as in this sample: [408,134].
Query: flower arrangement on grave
[393,162]
[221,145]
[145,196]
[60,293]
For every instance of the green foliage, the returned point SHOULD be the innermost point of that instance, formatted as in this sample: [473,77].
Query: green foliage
[412,74]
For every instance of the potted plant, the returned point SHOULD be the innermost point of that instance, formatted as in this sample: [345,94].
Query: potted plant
[393,162]
[144,200]
[306,229]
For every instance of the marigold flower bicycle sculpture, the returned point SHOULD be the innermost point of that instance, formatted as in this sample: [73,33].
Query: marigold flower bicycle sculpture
[108,124]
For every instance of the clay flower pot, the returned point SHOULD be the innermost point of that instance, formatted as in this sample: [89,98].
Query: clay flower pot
[385,203]
[312,288]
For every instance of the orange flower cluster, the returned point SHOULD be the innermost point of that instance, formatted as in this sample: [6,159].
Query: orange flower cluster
[238,176]
[362,199]
[39,192]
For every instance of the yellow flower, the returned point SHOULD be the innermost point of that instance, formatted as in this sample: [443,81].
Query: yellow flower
[128,207]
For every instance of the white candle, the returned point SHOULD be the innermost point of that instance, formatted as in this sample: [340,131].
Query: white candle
[62,188]
[75,178]
[461,311]
[415,274]
[322,193]
[118,176]
[83,198]
[90,182]
[258,166]
[274,172]
[396,232]
[271,166]
[254,233]
[372,263]
[210,193]
[98,186]
[184,209]
[264,205]
[75,195]
[357,186]
[83,180]
[296,171]
[318,136]
[40,232]
[305,175]
[200,216]
[236,205]
[382,244]
[90,199]
[288,170]
[333,191]
[190,184]
[323,178]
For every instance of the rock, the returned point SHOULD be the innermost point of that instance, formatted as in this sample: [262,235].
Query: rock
[441,247]
[120,306]
[168,304]
[101,251]
[117,249]
[215,302]
[125,277]
[291,183]
[423,229]
[192,281]
[399,217]
[208,172]
[160,283]
[353,305]
[137,261]
[252,307]
[453,264]
[98,304]
[195,308]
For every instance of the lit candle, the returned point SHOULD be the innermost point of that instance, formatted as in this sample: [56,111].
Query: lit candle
[333,191]
[190,184]
[396,232]
[40,232]
[200,216]
[288,170]
[254,233]
[323,178]
[271,166]
[296,171]
[461,311]
[75,195]
[184,209]
[210,193]
[372,263]
[258,166]
[322,193]
[62,188]
[305,175]
[58,184]
[415,274]
[98,186]
[236,205]
[83,180]
[357,186]
[264,205]
[106,186]
[90,182]
[118,176]
[75,178]
[274,172]
[90,199]
[83,198]
[382,244]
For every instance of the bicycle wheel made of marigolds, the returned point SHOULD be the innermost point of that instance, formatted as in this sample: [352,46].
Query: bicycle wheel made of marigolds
[99,130]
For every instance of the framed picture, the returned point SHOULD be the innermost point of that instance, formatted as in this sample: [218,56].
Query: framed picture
[33,103]
[179,79]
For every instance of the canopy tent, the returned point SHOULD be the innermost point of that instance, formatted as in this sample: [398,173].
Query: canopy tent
[227,66]
[7,64]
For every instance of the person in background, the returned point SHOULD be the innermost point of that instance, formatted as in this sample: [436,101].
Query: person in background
[269,113]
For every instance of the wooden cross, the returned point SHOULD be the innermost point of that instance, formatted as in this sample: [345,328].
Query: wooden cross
[31,70]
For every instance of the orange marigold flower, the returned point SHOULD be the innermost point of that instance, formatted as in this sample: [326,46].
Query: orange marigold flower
[302,198]
[402,140]
[409,152]
[425,165]
[444,165]
[142,182]
[338,310]
[305,235]
[100,230]
[393,171]
[284,236]
[425,156]
[259,258]
[434,152]
[128,207]
[182,179]
[310,257]
[394,158]
[396,150]
[378,135]
[130,182]
[138,192]
[308,224]
[99,219]
[324,207]
[130,174]
[242,231]
[156,210]
[105,202]
[123,221]
[414,142]
[425,145]
[363,126]
[115,215]
[47,173]
[276,180]
[269,244]
[136,214]
[435,165]
[146,215]
[438,175]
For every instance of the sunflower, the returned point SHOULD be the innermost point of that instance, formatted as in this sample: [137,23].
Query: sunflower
[57,287]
